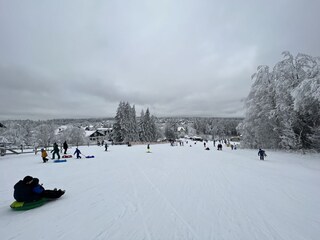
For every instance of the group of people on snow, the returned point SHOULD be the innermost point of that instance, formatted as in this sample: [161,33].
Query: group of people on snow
[29,189]
[55,152]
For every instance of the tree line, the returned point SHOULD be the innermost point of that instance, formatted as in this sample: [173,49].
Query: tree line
[282,108]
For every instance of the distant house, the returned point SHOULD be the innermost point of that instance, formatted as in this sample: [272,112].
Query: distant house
[196,138]
[181,131]
[105,131]
[235,139]
[97,135]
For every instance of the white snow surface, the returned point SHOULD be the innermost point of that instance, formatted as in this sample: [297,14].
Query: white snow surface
[179,192]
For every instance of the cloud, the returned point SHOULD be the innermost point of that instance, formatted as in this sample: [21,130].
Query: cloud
[81,58]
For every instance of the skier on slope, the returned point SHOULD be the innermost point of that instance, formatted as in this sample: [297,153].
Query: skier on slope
[262,154]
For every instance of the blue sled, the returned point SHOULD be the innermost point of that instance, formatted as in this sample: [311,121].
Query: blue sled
[60,160]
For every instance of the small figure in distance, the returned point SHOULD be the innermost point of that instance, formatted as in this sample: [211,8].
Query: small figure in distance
[65,147]
[44,155]
[55,151]
[106,147]
[148,148]
[262,154]
[78,153]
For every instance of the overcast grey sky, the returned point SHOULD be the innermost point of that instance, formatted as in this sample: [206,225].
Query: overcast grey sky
[76,58]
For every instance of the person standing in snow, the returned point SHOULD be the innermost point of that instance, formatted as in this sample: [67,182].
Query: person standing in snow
[106,147]
[44,155]
[55,151]
[148,148]
[78,153]
[262,154]
[65,147]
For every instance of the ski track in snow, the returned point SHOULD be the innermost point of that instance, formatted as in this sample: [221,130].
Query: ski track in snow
[172,193]
[170,206]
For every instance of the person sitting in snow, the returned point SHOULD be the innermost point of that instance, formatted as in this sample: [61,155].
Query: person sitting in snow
[29,190]
[78,153]
[39,189]
[44,155]
[262,154]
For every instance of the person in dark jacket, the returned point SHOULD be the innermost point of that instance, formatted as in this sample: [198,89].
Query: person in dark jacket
[29,190]
[23,190]
[65,147]
[106,147]
[78,153]
[262,154]
[55,151]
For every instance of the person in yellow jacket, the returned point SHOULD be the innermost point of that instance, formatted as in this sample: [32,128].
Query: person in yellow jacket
[44,155]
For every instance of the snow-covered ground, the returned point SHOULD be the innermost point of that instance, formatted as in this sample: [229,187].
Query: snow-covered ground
[171,193]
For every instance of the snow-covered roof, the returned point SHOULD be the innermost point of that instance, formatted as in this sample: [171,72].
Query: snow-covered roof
[104,129]
[181,129]
[88,133]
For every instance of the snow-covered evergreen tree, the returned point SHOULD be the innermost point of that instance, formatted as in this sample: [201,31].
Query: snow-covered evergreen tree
[151,129]
[132,125]
[148,130]
[125,128]
[118,133]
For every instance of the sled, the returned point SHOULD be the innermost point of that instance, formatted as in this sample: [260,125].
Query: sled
[67,156]
[20,206]
[89,156]
[59,160]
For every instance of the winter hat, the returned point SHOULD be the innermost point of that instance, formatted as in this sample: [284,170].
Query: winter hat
[27,179]
[36,180]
